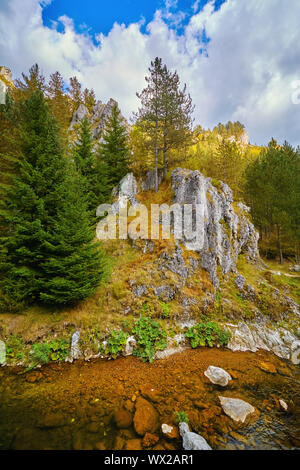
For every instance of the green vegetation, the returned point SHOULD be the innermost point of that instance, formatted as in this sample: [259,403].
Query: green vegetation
[150,337]
[115,342]
[181,417]
[55,350]
[207,333]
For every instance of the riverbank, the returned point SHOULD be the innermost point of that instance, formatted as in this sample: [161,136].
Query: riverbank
[74,406]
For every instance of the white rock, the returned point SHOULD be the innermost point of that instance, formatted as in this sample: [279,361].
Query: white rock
[218,376]
[191,440]
[295,352]
[130,345]
[166,429]
[2,353]
[75,349]
[283,405]
[236,409]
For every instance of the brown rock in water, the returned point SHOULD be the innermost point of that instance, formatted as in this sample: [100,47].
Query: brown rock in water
[150,440]
[34,377]
[122,419]
[267,367]
[129,406]
[119,443]
[100,446]
[169,431]
[53,420]
[134,444]
[145,418]
[151,393]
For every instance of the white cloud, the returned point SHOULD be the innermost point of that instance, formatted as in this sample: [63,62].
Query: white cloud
[253,59]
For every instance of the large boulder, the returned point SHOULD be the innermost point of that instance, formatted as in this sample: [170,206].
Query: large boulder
[222,232]
[126,193]
[236,409]
[191,440]
[145,417]
[217,376]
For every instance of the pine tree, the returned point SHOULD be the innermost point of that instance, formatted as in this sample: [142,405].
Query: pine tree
[89,99]
[59,102]
[74,263]
[83,154]
[75,93]
[114,149]
[32,82]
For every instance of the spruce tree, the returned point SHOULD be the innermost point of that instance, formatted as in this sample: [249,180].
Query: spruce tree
[114,150]
[74,263]
[83,154]
[32,199]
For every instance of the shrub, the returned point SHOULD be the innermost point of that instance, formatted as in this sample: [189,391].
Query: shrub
[165,310]
[15,348]
[115,343]
[150,337]
[207,334]
[55,350]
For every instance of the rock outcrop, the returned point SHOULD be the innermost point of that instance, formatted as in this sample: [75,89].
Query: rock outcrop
[191,440]
[222,232]
[255,336]
[97,117]
[125,193]
[6,82]
[2,353]
[75,348]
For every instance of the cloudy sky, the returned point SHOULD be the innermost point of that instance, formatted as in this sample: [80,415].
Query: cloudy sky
[240,59]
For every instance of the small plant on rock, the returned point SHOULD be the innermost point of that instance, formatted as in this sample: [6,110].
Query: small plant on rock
[181,417]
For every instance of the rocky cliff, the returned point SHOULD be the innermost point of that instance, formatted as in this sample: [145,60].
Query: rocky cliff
[97,117]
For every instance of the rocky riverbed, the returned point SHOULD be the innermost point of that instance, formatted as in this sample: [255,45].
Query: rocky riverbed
[127,404]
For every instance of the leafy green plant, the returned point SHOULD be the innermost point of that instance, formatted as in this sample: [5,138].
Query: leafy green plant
[165,310]
[55,350]
[116,342]
[150,337]
[207,334]
[181,417]
[15,348]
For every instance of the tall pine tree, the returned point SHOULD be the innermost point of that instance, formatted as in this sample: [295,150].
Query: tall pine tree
[114,153]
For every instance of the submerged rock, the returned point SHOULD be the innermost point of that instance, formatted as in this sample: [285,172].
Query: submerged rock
[217,376]
[191,440]
[236,409]
[122,419]
[2,353]
[283,405]
[145,417]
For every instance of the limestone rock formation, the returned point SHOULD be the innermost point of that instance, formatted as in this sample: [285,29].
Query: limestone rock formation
[6,82]
[97,117]
[191,440]
[236,409]
[75,348]
[222,232]
[255,336]
[218,376]
[126,193]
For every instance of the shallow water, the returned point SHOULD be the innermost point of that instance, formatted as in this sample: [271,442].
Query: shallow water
[70,406]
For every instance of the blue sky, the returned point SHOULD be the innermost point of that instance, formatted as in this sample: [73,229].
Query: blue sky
[248,70]
[98,16]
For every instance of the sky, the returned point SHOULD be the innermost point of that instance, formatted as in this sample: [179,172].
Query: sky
[239,59]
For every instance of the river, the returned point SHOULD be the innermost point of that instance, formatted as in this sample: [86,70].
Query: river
[70,406]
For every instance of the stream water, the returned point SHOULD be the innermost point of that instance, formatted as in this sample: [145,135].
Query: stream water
[70,406]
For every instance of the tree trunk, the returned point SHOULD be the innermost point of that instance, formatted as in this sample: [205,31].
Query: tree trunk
[156,157]
[279,244]
[165,159]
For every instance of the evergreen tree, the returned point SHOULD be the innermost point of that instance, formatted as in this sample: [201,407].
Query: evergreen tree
[59,102]
[114,152]
[32,82]
[75,93]
[74,263]
[38,199]
[89,99]
[85,162]
[148,116]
